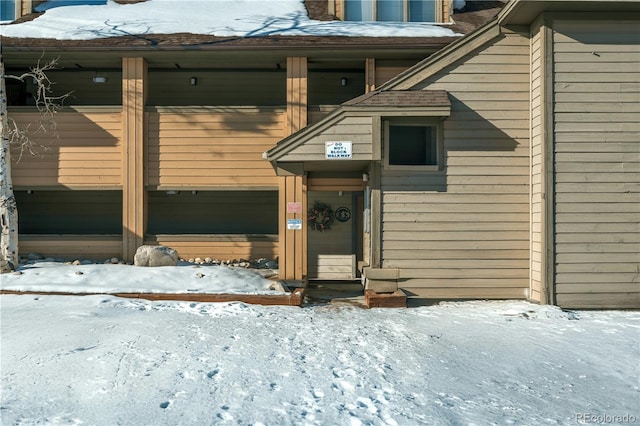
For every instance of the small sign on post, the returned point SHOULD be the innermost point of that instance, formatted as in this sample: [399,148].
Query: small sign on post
[294,207]
[338,150]
[294,224]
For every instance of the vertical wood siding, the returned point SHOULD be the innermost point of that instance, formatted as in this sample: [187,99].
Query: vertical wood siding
[464,232]
[212,148]
[82,149]
[597,163]
[537,135]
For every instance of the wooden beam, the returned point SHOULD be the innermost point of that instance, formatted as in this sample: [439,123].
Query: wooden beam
[134,94]
[295,298]
[370,75]
[293,188]
[547,173]
[296,94]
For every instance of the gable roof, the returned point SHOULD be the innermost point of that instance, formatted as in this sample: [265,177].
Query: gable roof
[423,102]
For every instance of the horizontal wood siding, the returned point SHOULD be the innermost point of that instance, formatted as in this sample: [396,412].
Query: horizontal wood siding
[353,128]
[464,232]
[536,156]
[221,247]
[72,247]
[81,149]
[597,164]
[214,147]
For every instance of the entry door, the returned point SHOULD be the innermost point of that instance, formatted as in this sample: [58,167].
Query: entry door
[333,251]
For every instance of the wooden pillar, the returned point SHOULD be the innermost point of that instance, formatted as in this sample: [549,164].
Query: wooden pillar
[296,94]
[134,79]
[293,242]
[370,75]
[376,215]
[293,187]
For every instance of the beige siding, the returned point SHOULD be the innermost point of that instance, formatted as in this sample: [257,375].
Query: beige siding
[357,129]
[464,232]
[221,247]
[212,147]
[597,163]
[536,158]
[95,247]
[81,149]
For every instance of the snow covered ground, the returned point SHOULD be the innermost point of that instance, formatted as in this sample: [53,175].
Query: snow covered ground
[90,19]
[88,277]
[102,360]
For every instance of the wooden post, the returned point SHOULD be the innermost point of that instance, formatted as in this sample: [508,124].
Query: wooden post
[134,80]
[548,291]
[293,188]
[376,215]
[370,75]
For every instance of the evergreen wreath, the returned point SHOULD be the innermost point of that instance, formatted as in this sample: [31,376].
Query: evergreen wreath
[320,217]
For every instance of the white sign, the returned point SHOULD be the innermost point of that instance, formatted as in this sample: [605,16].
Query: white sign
[337,150]
[294,224]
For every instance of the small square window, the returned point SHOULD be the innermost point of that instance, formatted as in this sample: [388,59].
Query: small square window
[411,144]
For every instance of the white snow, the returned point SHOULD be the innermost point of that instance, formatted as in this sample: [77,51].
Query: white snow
[107,278]
[84,20]
[102,360]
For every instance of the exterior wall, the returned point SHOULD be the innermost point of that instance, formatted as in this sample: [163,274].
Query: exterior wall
[464,232]
[212,147]
[537,136]
[597,163]
[82,149]
[95,247]
[357,129]
[221,247]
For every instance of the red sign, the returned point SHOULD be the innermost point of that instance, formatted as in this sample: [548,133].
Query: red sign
[294,207]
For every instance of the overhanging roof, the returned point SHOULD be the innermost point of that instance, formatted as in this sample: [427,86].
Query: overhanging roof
[423,103]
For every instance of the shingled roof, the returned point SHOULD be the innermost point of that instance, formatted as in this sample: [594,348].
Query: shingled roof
[417,98]
[464,22]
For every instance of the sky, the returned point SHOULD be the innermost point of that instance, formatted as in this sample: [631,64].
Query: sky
[90,19]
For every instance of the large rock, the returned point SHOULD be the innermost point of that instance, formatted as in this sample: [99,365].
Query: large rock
[155,256]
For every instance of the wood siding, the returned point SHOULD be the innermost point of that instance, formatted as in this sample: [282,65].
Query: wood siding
[82,148]
[536,155]
[357,129]
[212,147]
[72,247]
[597,163]
[221,247]
[464,232]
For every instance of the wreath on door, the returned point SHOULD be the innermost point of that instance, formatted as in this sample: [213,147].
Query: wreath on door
[320,217]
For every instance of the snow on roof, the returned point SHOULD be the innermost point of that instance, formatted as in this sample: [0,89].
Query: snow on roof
[91,19]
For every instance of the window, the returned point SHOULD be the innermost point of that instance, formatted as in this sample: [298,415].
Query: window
[7,10]
[412,144]
[390,10]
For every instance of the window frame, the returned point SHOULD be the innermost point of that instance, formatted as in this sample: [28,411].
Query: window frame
[433,122]
[439,12]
